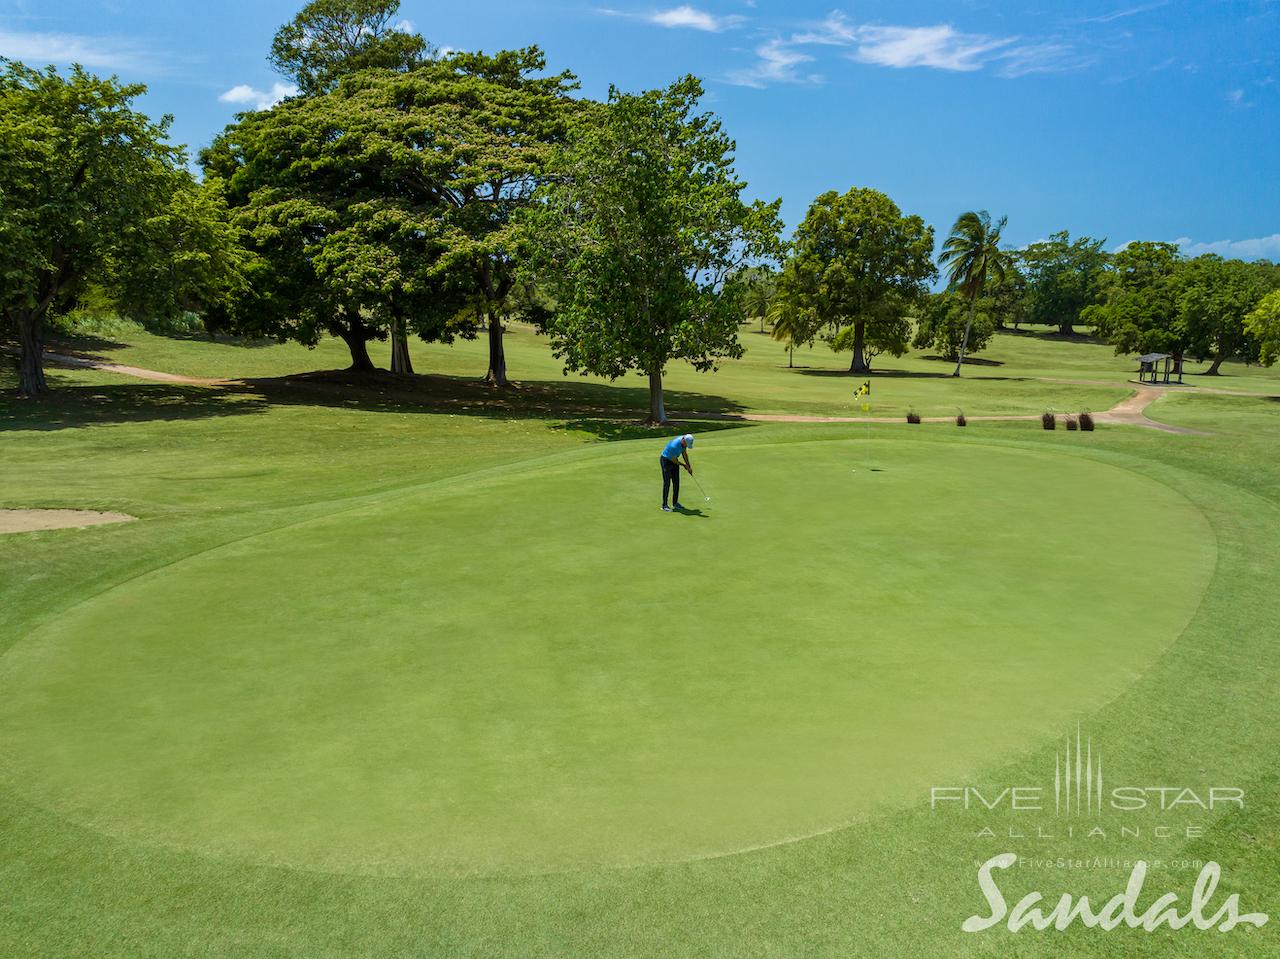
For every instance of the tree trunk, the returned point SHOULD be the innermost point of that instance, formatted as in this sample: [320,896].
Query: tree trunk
[1216,367]
[791,356]
[31,381]
[497,374]
[964,340]
[358,344]
[657,409]
[400,360]
[860,362]
[1067,328]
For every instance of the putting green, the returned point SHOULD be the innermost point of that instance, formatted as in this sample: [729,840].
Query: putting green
[537,670]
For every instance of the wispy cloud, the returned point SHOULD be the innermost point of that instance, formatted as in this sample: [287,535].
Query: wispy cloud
[682,17]
[940,47]
[776,62]
[1237,98]
[245,95]
[1122,13]
[937,47]
[1259,248]
[100,53]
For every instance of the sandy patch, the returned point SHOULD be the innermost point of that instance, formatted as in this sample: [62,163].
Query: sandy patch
[30,520]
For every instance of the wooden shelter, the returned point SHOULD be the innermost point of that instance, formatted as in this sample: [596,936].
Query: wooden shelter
[1150,371]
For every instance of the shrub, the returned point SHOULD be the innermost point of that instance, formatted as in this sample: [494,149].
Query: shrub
[1048,420]
[1071,424]
[961,420]
[913,417]
[1086,421]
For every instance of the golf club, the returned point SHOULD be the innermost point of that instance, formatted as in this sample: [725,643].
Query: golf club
[705,497]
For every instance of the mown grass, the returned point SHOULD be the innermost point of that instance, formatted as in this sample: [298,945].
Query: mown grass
[205,468]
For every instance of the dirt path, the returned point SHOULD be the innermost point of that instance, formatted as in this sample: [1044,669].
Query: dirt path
[137,372]
[1128,412]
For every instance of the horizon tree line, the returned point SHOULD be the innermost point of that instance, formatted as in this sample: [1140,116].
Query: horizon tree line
[404,192]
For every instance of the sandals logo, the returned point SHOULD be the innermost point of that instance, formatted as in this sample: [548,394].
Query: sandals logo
[1079,790]
[1084,802]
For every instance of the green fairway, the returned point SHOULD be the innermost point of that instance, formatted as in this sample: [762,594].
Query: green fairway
[374,678]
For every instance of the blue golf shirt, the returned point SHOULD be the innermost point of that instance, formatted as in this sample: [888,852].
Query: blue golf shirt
[674,449]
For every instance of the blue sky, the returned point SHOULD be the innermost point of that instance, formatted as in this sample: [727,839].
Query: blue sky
[1125,119]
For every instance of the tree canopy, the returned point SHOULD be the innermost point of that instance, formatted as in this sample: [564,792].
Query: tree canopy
[330,38]
[386,205]
[972,257]
[857,262]
[1263,325]
[638,231]
[1139,311]
[93,193]
[1063,278]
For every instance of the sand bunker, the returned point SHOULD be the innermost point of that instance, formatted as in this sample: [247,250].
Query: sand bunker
[30,520]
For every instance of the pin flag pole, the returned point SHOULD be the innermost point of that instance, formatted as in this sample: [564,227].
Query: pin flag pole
[863,393]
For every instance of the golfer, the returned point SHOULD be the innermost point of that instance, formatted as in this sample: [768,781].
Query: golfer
[672,453]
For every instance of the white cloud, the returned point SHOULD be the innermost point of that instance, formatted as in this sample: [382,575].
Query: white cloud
[936,47]
[39,49]
[1259,248]
[257,99]
[1031,58]
[940,47]
[682,17]
[776,62]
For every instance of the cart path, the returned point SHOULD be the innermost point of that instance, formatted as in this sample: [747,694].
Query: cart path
[1130,411]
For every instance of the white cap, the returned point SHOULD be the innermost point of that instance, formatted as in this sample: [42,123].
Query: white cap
[688,439]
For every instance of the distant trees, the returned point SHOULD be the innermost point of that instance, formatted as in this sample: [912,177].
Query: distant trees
[857,265]
[759,287]
[971,256]
[1158,301]
[1214,298]
[637,232]
[1263,326]
[1063,277]
[1139,311]
[93,194]
[941,322]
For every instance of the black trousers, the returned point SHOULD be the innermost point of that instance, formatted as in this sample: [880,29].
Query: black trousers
[670,479]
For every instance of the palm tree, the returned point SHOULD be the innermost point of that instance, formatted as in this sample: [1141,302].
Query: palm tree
[971,256]
[791,326]
[760,288]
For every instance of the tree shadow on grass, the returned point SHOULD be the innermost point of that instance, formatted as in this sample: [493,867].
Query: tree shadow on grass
[611,412]
[467,396]
[903,375]
[69,407]
[621,430]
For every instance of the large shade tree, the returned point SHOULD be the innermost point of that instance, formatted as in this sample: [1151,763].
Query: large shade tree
[1140,312]
[93,194]
[637,233]
[1063,278]
[858,262]
[971,256]
[381,207]
[1214,298]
